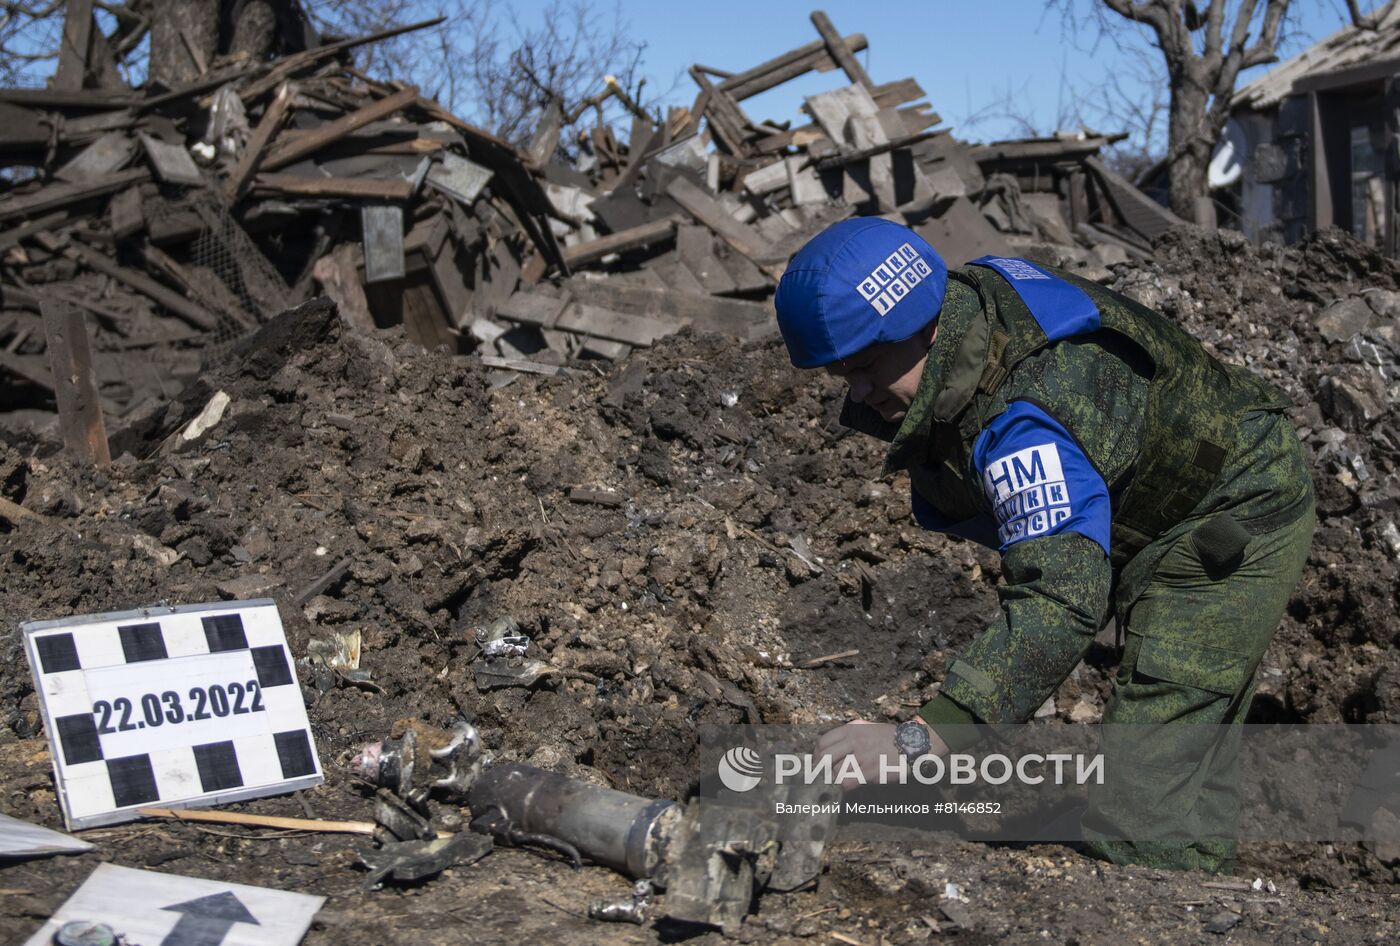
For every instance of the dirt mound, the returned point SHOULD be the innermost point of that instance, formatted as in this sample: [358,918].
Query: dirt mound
[745,532]
[1322,321]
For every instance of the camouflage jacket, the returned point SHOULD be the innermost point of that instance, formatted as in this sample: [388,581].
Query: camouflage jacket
[1079,400]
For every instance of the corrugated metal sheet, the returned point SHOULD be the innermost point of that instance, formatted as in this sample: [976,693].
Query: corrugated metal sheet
[1346,47]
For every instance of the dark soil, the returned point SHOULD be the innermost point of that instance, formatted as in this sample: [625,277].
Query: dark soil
[734,555]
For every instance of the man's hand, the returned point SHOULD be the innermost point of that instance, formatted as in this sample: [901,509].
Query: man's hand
[871,744]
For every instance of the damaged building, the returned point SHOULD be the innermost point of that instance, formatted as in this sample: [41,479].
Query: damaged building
[1315,142]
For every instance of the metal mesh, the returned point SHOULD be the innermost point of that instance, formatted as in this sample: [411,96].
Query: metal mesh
[225,249]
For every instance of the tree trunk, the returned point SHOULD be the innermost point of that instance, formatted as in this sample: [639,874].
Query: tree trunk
[1188,148]
[253,31]
[176,58]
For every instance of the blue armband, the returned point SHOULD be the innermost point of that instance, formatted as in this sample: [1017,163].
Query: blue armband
[1038,480]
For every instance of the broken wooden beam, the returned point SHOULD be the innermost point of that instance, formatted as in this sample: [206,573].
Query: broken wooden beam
[56,196]
[359,187]
[552,312]
[73,46]
[17,513]
[173,163]
[1141,213]
[191,312]
[726,120]
[712,214]
[850,157]
[125,214]
[736,317]
[32,368]
[58,98]
[790,65]
[289,66]
[658,231]
[1100,234]
[340,280]
[525,367]
[596,497]
[75,390]
[256,148]
[16,235]
[323,582]
[313,141]
[836,46]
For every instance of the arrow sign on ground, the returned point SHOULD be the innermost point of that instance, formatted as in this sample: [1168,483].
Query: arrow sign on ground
[207,912]
[206,920]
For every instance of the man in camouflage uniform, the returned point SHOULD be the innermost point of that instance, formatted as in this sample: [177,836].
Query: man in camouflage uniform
[1121,471]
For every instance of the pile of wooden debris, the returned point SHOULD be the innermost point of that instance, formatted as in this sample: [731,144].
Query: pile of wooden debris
[171,222]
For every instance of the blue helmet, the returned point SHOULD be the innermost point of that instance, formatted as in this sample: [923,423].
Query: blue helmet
[858,283]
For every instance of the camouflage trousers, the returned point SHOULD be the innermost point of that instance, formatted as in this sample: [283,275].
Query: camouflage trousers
[1170,738]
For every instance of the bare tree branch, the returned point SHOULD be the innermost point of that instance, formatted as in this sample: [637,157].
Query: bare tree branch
[1372,20]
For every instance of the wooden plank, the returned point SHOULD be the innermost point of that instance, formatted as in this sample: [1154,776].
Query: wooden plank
[126,214]
[211,292]
[711,314]
[1041,149]
[1100,234]
[74,46]
[289,66]
[804,184]
[459,178]
[27,134]
[32,368]
[75,390]
[173,163]
[801,137]
[251,158]
[850,157]
[836,47]
[104,156]
[334,131]
[788,66]
[1149,218]
[677,276]
[524,366]
[712,214]
[961,234]
[62,195]
[109,317]
[14,235]
[367,188]
[658,231]
[766,179]
[340,279]
[726,121]
[834,110]
[176,304]
[382,227]
[891,94]
[57,98]
[602,348]
[695,248]
[1078,199]
[555,313]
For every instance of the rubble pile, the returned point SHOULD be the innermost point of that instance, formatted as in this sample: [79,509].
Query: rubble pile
[479,550]
[688,538]
[175,222]
[1319,320]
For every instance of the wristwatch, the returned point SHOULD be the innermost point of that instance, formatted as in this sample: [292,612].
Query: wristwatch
[911,738]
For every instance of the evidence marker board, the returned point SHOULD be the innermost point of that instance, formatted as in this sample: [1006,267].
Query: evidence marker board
[170,707]
[155,909]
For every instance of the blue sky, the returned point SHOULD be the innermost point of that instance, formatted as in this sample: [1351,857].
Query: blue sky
[991,68]
[972,58]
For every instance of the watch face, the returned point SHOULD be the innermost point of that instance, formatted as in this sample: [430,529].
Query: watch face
[911,738]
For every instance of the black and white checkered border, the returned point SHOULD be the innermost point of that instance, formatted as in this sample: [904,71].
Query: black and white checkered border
[96,788]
